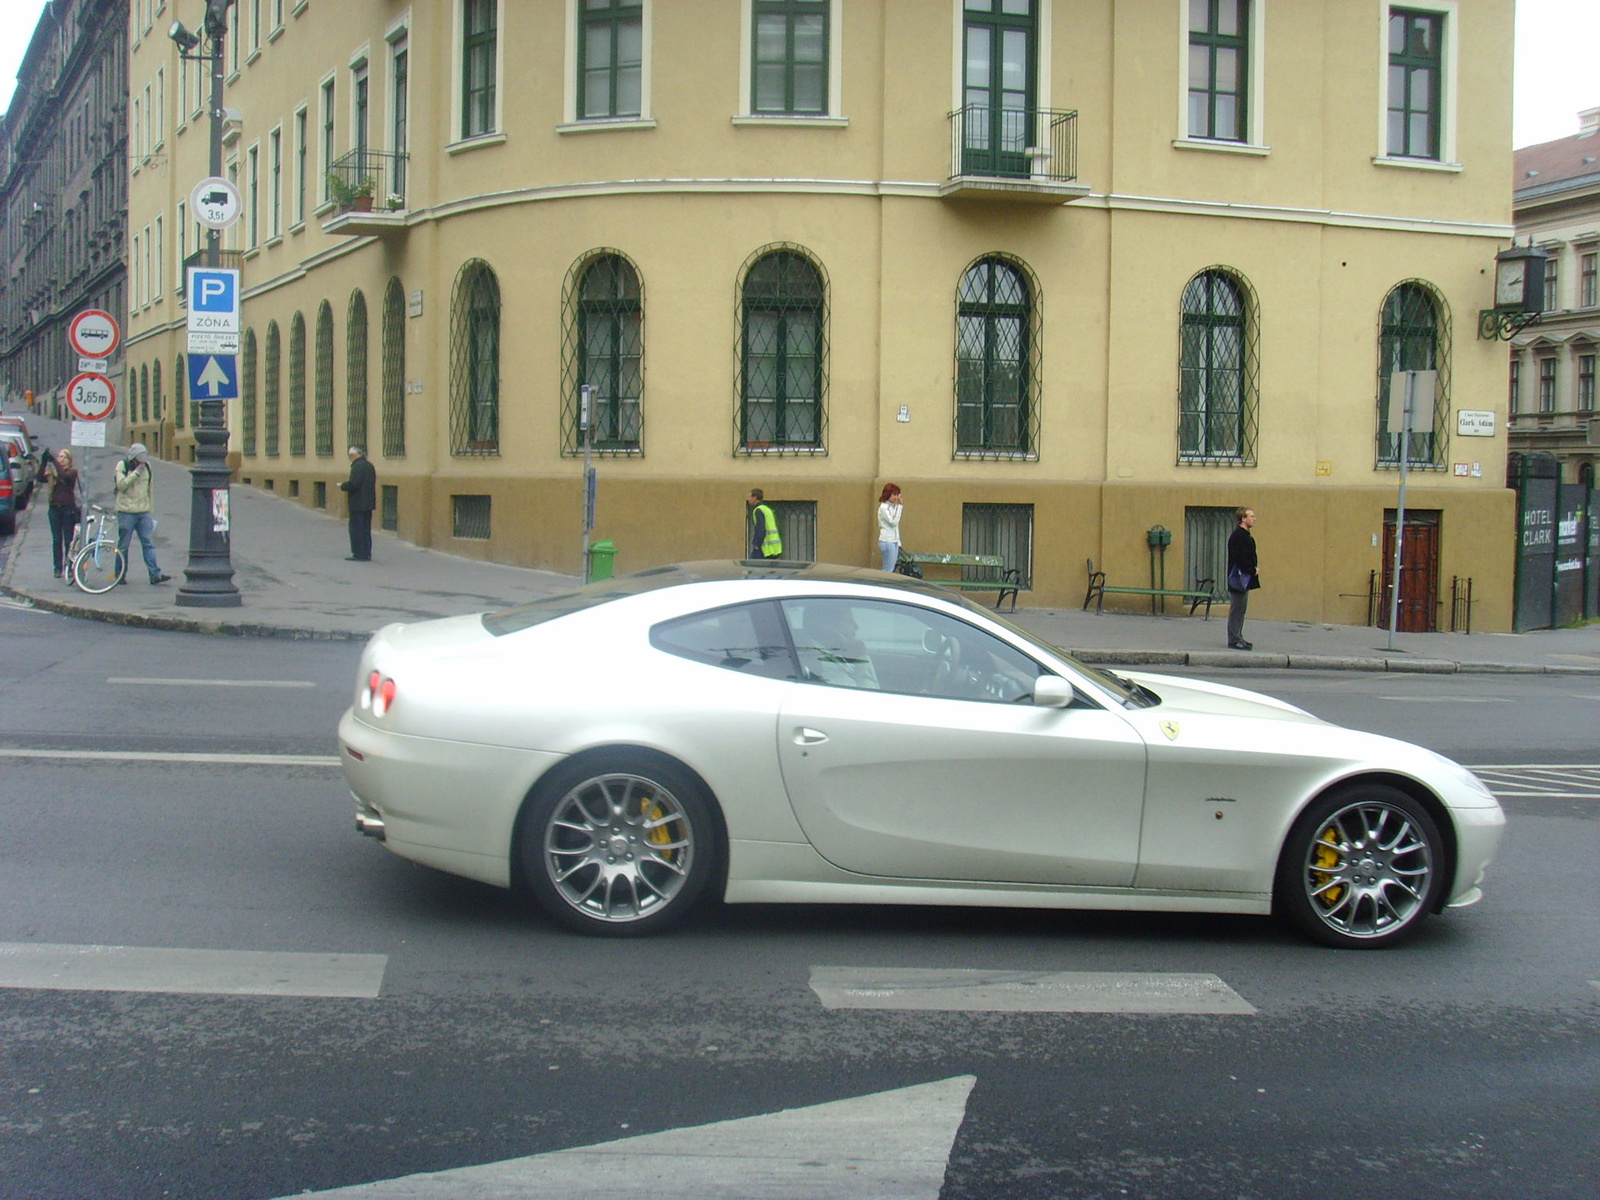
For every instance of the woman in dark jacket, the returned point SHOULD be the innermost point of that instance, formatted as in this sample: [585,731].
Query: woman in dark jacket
[65,508]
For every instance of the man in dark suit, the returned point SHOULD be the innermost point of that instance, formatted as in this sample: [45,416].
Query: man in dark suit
[362,490]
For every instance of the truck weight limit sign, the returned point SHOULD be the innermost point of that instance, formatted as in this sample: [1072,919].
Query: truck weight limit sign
[91,397]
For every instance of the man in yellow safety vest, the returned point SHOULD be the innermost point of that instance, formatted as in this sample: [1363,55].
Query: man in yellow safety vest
[765,541]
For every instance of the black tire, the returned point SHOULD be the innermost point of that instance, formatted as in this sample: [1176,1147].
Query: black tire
[618,844]
[98,573]
[8,524]
[1362,868]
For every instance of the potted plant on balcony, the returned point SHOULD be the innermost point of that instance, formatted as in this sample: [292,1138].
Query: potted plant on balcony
[353,193]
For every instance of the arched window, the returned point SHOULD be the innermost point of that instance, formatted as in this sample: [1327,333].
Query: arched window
[297,386]
[997,361]
[1414,336]
[324,409]
[155,387]
[144,392]
[272,390]
[1217,371]
[394,369]
[605,348]
[1586,474]
[355,371]
[180,380]
[475,361]
[782,352]
[247,392]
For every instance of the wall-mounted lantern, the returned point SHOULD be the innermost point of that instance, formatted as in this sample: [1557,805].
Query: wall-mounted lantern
[1518,293]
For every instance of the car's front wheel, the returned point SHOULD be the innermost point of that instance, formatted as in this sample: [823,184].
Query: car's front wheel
[1362,868]
[618,845]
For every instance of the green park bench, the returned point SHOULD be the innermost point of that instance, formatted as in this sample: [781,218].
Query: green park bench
[989,573]
[1195,596]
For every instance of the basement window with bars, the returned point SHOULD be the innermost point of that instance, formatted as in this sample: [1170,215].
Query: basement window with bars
[470,517]
[389,507]
[1003,529]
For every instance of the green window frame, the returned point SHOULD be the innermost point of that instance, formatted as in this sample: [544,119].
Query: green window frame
[479,47]
[997,360]
[180,381]
[1217,371]
[783,350]
[1219,69]
[1414,335]
[1416,65]
[610,59]
[604,305]
[475,361]
[999,86]
[297,386]
[324,381]
[789,57]
[249,414]
[144,388]
[394,369]
[271,391]
[1549,377]
[355,371]
[155,374]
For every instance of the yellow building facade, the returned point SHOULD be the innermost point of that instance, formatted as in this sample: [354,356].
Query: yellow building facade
[1064,271]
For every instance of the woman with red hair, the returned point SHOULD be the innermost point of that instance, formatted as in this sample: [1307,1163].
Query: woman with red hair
[889,509]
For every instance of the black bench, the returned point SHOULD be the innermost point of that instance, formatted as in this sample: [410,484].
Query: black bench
[997,577]
[1195,596]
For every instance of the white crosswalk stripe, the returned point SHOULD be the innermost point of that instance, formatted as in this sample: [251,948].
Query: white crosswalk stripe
[1546,781]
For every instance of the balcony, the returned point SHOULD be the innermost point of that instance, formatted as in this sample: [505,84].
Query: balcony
[368,188]
[1027,155]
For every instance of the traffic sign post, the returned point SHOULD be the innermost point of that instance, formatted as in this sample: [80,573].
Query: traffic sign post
[213,377]
[215,202]
[91,397]
[93,333]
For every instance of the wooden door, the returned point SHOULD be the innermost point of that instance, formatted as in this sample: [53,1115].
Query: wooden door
[1419,574]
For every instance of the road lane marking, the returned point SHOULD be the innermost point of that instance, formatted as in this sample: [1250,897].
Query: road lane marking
[189,972]
[1542,781]
[942,990]
[238,683]
[1449,699]
[894,1145]
[176,756]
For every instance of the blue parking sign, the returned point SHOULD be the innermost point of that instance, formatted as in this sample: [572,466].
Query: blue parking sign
[213,376]
[213,291]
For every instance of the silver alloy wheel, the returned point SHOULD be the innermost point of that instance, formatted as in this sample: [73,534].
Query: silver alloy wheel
[618,847]
[1368,871]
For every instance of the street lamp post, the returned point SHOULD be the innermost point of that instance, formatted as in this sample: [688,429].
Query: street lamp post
[208,575]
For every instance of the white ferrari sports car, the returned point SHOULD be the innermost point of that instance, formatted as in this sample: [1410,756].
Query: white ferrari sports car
[796,732]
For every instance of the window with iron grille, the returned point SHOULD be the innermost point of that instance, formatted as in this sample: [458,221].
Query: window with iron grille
[319,494]
[1217,371]
[470,516]
[271,420]
[394,369]
[248,415]
[611,59]
[783,353]
[1415,82]
[475,361]
[144,392]
[389,506]
[1547,385]
[1414,336]
[1586,364]
[1206,530]
[797,526]
[297,386]
[478,49]
[789,57]
[1003,529]
[355,371]
[1218,67]
[604,309]
[180,380]
[155,374]
[324,409]
[997,361]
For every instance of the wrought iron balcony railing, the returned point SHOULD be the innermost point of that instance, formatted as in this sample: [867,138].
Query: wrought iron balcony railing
[368,181]
[1024,144]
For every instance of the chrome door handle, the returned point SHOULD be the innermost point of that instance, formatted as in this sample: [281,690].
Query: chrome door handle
[809,737]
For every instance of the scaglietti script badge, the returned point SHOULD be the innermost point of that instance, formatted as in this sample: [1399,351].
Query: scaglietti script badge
[1170,728]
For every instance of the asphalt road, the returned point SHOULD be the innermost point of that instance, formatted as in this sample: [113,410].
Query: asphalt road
[169,791]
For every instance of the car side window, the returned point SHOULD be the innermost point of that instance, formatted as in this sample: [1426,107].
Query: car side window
[747,638]
[907,649]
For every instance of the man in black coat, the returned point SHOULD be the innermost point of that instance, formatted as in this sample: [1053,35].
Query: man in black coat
[1243,576]
[362,490]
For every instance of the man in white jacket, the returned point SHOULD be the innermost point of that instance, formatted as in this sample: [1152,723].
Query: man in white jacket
[133,511]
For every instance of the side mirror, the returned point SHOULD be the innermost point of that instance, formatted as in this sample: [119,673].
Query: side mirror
[1052,691]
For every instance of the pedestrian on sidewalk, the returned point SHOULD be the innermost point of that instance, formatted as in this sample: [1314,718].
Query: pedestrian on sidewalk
[66,506]
[362,490]
[1243,577]
[765,540]
[133,510]
[890,508]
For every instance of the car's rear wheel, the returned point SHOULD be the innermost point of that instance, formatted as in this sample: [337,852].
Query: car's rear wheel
[619,845]
[1362,868]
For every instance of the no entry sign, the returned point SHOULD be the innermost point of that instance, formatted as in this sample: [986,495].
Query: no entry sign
[91,397]
[94,334]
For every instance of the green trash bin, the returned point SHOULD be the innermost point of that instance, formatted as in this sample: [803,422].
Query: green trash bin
[601,556]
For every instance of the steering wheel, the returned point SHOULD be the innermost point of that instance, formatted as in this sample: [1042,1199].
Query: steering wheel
[944,670]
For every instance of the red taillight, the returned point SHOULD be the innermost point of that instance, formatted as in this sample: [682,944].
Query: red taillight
[372,682]
[5,486]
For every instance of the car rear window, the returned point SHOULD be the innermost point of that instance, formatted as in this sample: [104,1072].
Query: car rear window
[591,595]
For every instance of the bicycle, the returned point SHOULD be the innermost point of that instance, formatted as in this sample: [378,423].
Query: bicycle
[98,564]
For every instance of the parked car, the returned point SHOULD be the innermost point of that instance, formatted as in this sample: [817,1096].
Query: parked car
[8,503]
[24,460]
[8,419]
[793,732]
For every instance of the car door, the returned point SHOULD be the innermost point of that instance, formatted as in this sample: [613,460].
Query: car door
[912,749]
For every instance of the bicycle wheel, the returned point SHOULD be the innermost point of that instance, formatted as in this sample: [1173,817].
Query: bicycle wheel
[98,568]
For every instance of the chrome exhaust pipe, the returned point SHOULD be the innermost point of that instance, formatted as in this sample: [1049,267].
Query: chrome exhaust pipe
[370,825]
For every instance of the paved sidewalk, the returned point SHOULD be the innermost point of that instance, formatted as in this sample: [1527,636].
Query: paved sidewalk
[289,565]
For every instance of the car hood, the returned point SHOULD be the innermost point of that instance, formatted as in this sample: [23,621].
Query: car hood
[1217,699]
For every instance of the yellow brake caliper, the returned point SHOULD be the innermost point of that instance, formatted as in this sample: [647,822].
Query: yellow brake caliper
[1324,861]
[658,836]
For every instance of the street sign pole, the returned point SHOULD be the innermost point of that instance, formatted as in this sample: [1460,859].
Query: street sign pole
[208,575]
[1400,507]
[586,427]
